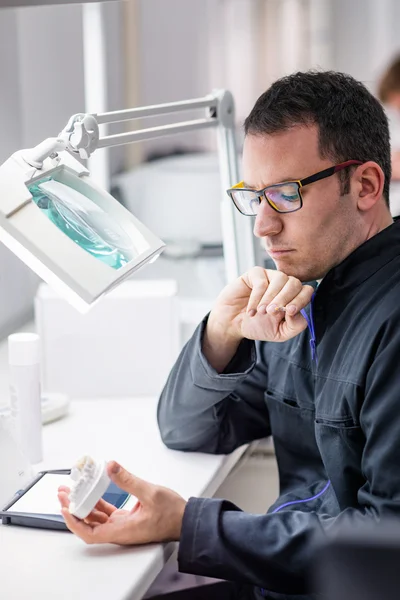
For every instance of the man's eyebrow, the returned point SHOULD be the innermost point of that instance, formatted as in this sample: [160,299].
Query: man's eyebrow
[251,187]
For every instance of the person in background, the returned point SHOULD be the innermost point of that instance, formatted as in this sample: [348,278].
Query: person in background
[389,95]
[317,370]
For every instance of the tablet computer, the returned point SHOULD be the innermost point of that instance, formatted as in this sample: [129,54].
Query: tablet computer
[38,506]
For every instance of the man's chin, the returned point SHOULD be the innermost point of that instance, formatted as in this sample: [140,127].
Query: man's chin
[285,267]
[292,270]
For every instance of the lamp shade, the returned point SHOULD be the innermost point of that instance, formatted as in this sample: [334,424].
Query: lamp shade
[73,234]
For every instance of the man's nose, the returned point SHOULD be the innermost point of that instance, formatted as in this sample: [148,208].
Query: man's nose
[268,221]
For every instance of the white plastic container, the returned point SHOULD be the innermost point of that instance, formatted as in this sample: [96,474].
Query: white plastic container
[24,369]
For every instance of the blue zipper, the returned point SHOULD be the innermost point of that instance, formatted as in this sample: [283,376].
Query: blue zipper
[302,501]
[313,345]
[310,324]
[278,508]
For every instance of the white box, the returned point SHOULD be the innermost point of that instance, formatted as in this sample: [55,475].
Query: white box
[124,346]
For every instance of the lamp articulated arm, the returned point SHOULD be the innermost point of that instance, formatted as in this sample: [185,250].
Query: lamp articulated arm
[81,136]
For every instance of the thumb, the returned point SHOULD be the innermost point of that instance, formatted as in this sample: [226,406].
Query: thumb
[126,481]
[294,324]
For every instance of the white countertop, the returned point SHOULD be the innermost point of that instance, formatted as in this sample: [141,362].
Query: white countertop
[45,565]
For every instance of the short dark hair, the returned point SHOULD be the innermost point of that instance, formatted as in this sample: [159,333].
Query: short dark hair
[352,123]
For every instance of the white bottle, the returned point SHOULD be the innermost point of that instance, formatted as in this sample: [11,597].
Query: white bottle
[15,469]
[24,368]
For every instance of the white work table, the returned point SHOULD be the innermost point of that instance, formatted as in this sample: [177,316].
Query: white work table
[45,565]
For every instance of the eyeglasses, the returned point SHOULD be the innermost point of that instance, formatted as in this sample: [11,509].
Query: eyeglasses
[282,197]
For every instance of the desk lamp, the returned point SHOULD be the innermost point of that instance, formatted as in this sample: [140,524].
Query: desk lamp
[74,234]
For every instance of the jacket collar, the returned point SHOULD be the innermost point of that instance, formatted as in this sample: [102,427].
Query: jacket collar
[363,262]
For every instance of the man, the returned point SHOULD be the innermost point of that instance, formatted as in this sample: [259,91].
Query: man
[325,383]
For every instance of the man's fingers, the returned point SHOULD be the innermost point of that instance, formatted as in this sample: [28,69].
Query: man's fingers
[63,497]
[271,290]
[94,532]
[299,302]
[105,507]
[83,530]
[96,516]
[292,326]
[64,488]
[257,280]
[286,296]
[278,283]
[295,324]
[128,482]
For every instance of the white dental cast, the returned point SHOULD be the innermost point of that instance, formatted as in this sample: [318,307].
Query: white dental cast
[90,482]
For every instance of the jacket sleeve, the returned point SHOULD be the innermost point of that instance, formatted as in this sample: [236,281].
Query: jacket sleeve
[202,410]
[275,551]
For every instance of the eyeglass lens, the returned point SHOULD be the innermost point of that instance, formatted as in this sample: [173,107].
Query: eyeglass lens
[283,198]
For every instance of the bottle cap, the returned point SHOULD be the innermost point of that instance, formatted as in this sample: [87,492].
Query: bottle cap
[23,349]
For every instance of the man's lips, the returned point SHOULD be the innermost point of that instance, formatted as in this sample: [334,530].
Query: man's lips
[276,252]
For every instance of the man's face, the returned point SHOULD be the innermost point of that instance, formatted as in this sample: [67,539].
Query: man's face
[308,243]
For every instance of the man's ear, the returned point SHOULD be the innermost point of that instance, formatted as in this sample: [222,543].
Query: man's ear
[370,181]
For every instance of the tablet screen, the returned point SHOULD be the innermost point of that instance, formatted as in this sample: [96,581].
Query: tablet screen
[42,498]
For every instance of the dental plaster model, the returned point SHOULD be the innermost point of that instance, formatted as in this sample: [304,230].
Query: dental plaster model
[90,483]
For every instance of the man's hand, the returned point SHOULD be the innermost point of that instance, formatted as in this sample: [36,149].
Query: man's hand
[157,516]
[247,308]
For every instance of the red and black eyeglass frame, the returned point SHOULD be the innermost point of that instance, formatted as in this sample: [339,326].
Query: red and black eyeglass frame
[300,182]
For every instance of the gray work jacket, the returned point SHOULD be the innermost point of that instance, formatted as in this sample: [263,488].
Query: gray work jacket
[335,421]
